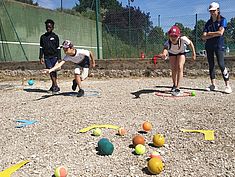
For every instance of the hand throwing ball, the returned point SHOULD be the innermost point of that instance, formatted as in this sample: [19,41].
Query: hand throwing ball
[138,139]
[122,131]
[147,126]
[158,140]
[140,149]
[30,82]
[97,132]
[61,171]
[155,166]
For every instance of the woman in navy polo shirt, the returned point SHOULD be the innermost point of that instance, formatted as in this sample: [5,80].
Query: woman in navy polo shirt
[213,34]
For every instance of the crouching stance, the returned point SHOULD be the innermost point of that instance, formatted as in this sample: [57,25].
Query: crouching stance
[82,59]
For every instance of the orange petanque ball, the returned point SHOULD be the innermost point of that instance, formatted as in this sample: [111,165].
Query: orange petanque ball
[61,171]
[147,126]
[122,131]
[158,140]
[138,139]
[155,165]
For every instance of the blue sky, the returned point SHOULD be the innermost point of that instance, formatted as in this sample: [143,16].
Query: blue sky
[170,11]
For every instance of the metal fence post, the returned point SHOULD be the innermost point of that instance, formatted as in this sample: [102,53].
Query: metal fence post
[196,33]
[97,28]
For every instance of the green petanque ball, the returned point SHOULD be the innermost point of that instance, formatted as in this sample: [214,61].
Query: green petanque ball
[193,93]
[106,148]
[102,141]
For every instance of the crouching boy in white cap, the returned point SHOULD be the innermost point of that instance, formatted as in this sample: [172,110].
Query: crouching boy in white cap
[81,58]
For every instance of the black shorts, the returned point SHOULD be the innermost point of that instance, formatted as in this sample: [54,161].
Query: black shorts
[85,62]
[171,54]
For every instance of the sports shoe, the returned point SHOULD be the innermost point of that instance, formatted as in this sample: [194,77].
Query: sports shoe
[80,93]
[211,88]
[51,89]
[228,89]
[55,89]
[176,92]
[173,88]
[74,86]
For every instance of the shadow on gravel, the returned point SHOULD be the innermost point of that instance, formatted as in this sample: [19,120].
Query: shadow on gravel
[190,88]
[36,90]
[148,91]
[146,171]
[58,94]
[145,91]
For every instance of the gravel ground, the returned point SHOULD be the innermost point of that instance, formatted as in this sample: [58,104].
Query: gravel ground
[55,140]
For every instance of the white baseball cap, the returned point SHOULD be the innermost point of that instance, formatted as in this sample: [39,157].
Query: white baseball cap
[67,44]
[213,6]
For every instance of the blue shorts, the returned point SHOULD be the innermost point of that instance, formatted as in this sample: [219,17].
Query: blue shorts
[50,62]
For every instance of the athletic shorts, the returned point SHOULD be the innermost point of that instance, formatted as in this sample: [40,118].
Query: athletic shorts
[85,62]
[50,62]
[171,54]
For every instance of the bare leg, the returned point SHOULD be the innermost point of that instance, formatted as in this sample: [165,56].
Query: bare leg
[78,80]
[173,69]
[53,76]
[180,69]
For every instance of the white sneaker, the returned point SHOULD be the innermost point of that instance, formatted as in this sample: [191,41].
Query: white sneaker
[228,89]
[176,92]
[211,88]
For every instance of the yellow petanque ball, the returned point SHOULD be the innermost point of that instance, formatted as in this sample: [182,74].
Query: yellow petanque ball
[140,149]
[158,140]
[155,166]
[97,132]
[61,171]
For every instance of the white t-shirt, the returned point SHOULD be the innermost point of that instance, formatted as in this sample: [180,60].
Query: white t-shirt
[175,48]
[80,55]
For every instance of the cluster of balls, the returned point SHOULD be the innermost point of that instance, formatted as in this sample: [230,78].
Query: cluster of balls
[155,164]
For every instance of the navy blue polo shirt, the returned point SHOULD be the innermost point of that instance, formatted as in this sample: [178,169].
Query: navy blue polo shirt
[216,43]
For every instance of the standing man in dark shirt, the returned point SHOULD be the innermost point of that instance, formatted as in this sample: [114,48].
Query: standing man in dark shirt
[50,52]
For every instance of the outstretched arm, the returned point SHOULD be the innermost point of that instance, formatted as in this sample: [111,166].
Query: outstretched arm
[58,65]
[164,53]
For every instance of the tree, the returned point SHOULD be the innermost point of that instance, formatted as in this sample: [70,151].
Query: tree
[197,33]
[28,2]
[229,34]
[156,36]
[84,5]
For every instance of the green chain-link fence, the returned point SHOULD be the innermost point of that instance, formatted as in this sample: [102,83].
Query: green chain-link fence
[130,42]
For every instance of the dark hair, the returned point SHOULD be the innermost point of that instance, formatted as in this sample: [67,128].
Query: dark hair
[178,42]
[49,21]
[218,17]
